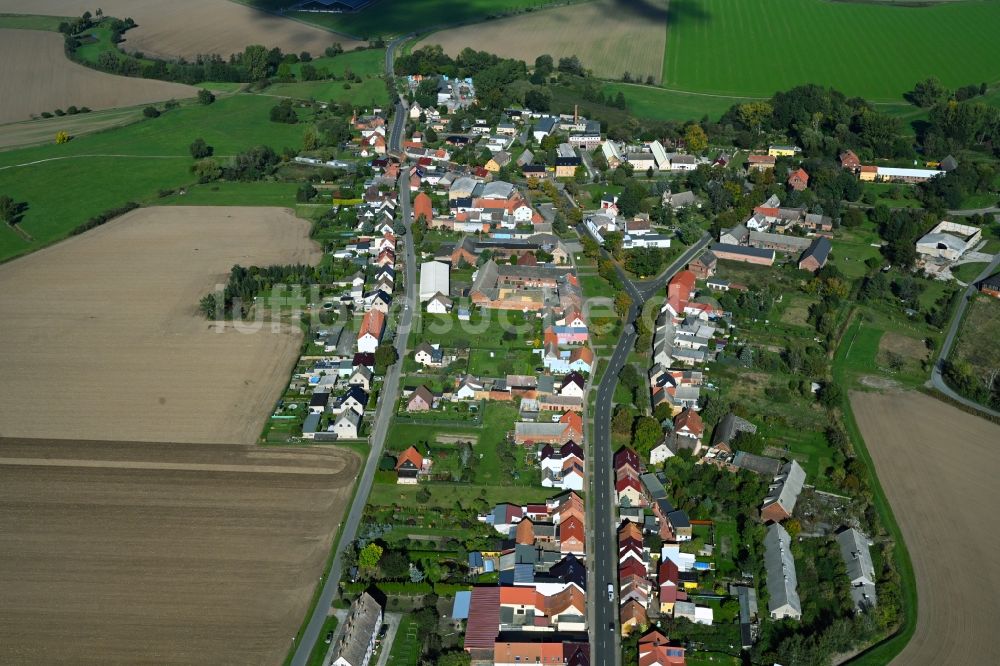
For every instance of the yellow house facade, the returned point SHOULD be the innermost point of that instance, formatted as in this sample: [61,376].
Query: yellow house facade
[782,151]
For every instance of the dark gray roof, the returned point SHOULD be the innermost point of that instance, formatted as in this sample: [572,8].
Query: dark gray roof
[820,249]
[359,629]
[779,564]
[747,251]
[727,428]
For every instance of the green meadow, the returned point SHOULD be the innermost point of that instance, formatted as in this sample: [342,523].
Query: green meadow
[64,185]
[876,51]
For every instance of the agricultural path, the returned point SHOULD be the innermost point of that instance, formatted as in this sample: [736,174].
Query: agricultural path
[73,157]
[383,415]
[604,642]
[937,380]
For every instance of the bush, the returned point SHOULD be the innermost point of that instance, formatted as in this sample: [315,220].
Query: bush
[101,218]
[200,150]
[205,96]
[284,113]
[60,113]
[150,112]
[46,114]
[72,110]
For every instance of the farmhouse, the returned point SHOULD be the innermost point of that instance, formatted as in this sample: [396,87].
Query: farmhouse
[778,242]
[849,160]
[704,265]
[347,424]
[357,642]
[370,334]
[990,285]
[738,235]
[749,255]
[421,400]
[897,175]
[783,597]
[566,161]
[439,304]
[410,464]
[783,493]
[948,241]
[641,161]
[429,356]
[760,162]
[433,279]
[783,151]
[798,180]
[815,256]
[860,569]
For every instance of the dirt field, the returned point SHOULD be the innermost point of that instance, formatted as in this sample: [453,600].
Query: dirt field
[191,27]
[45,80]
[938,466]
[136,553]
[102,338]
[43,130]
[610,37]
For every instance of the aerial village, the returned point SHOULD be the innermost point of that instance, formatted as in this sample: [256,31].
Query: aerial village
[509,235]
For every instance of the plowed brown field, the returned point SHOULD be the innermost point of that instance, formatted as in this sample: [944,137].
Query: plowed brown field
[610,37]
[939,468]
[36,76]
[171,28]
[102,338]
[138,553]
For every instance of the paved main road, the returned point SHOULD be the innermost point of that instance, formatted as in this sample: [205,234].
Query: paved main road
[604,548]
[937,380]
[383,415]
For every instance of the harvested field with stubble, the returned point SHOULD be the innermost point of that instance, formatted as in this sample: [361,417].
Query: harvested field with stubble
[610,37]
[189,28]
[939,468]
[108,321]
[45,80]
[138,553]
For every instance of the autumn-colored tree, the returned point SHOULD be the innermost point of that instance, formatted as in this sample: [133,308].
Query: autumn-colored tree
[369,556]
[695,138]
[622,303]
[62,137]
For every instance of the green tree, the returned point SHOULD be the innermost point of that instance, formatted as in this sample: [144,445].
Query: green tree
[255,60]
[207,170]
[622,304]
[151,112]
[205,96]
[385,355]
[829,394]
[695,138]
[454,658]
[370,556]
[621,420]
[199,149]
[647,434]
[394,565]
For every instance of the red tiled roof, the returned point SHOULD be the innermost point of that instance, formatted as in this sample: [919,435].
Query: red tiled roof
[412,455]
[484,618]
[422,206]
[691,420]
[373,322]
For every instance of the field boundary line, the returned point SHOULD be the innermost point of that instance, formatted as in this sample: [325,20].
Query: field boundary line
[70,157]
[150,465]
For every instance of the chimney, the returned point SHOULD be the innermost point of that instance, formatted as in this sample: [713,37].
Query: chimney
[576,113]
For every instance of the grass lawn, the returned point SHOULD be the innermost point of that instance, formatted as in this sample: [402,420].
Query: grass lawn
[968,272]
[595,286]
[511,361]
[893,195]
[235,194]
[843,371]
[370,92]
[407,644]
[663,104]
[30,22]
[318,654]
[399,17]
[483,331]
[362,63]
[852,247]
[982,321]
[444,495]
[104,170]
[866,49]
